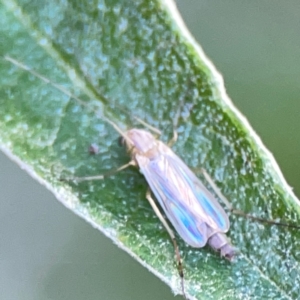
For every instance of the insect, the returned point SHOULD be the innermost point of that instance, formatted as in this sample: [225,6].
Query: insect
[190,207]
[192,210]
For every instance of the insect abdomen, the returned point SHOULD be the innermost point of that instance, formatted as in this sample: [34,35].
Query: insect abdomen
[219,242]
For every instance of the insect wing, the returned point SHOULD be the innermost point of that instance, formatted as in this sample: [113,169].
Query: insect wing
[189,206]
[216,217]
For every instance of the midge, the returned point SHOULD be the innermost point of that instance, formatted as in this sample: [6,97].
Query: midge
[192,210]
[190,207]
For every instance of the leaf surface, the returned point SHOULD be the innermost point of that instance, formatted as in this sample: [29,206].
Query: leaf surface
[135,58]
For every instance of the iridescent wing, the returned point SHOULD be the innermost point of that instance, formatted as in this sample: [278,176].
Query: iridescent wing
[189,206]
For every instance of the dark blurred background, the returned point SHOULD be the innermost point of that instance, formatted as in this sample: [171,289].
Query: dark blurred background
[46,252]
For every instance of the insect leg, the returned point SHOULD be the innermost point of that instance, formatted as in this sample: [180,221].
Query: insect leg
[99,177]
[172,235]
[239,212]
[173,139]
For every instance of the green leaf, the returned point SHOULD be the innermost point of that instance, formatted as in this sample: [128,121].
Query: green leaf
[135,58]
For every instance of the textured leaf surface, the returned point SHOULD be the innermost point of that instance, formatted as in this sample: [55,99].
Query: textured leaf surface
[133,58]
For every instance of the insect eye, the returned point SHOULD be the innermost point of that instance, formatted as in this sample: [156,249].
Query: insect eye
[121,141]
